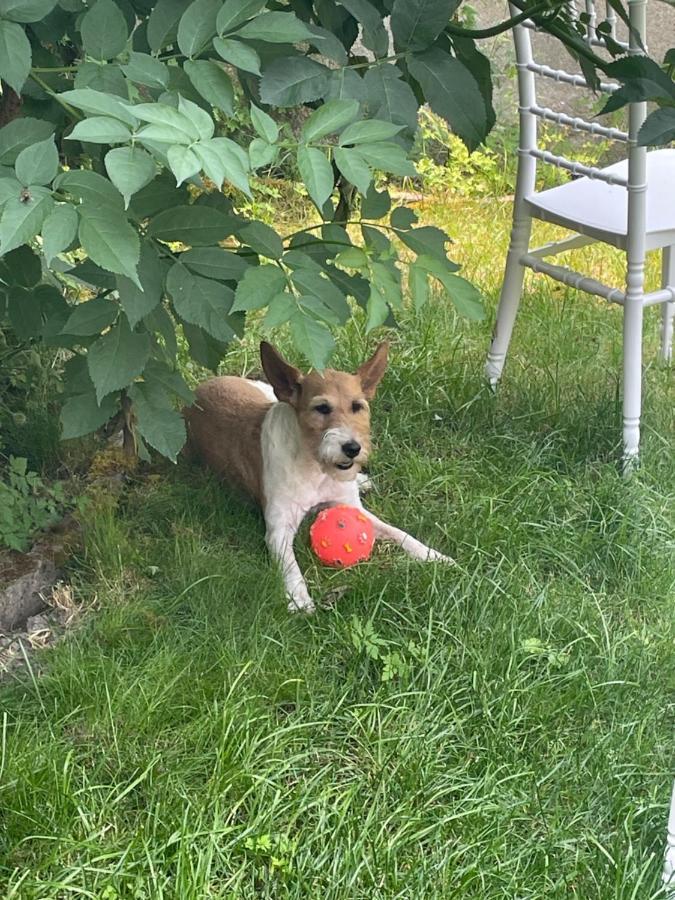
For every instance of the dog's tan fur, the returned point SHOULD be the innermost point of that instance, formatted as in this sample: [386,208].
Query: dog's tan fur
[224,427]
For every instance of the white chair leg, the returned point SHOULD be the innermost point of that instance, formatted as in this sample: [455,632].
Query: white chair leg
[632,364]
[667,309]
[509,298]
[669,864]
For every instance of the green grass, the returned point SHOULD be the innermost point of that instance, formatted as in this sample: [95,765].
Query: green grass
[502,729]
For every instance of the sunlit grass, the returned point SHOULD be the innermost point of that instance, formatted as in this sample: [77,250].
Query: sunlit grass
[502,729]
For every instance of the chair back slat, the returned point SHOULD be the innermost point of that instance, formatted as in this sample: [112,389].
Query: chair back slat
[596,28]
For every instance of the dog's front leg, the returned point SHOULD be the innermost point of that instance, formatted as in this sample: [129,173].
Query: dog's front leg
[280,534]
[406,542]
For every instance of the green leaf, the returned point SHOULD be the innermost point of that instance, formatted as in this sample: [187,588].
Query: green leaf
[147,70]
[313,339]
[160,194]
[418,283]
[368,132]
[25,314]
[22,218]
[237,54]
[129,169]
[316,173]
[416,26]
[82,414]
[15,55]
[375,205]
[258,287]
[116,358]
[216,263]
[387,157]
[19,134]
[138,303]
[160,322]
[354,167]
[197,26]
[451,91]
[352,258]
[104,30]
[463,294]
[10,189]
[109,240]
[201,301]
[100,130]
[221,157]
[90,187]
[92,275]
[375,35]
[313,284]
[159,424]
[38,164]
[643,79]
[260,153]
[403,218]
[91,317]
[391,99]
[106,78]
[280,310]
[292,81]
[163,23]
[183,162]
[59,230]
[26,10]
[263,239]
[96,103]
[159,374]
[195,225]
[234,12]
[165,116]
[275,28]
[427,240]
[327,44]
[265,125]
[329,118]
[21,267]
[201,120]
[377,310]
[206,350]
[658,128]
[212,82]
[346,84]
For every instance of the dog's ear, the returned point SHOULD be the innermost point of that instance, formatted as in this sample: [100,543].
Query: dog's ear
[372,370]
[284,378]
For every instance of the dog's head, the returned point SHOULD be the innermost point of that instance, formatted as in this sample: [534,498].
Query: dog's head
[331,407]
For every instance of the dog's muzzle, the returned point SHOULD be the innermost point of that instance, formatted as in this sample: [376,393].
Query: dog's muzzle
[340,450]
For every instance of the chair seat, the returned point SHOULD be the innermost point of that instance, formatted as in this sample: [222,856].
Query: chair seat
[600,210]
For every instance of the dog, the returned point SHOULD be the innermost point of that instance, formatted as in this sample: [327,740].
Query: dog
[295,445]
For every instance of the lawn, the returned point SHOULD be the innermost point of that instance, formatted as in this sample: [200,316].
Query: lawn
[500,729]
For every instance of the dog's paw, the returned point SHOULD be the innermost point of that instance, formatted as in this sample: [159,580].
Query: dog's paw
[364,483]
[301,603]
[435,556]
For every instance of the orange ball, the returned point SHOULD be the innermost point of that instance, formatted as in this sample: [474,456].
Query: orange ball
[342,536]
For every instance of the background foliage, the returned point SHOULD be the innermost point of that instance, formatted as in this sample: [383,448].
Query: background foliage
[131,132]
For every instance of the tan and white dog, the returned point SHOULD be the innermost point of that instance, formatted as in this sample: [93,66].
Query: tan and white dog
[295,444]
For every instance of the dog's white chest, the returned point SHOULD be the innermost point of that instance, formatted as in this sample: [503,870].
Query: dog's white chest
[293,482]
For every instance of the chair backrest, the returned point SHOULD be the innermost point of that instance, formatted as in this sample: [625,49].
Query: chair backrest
[597,28]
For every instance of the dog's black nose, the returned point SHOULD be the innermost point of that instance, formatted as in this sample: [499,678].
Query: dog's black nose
[351,449]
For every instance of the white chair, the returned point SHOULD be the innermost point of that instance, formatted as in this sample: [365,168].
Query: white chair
[630,205]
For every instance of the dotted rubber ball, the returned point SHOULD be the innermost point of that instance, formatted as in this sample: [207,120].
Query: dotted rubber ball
[342,536]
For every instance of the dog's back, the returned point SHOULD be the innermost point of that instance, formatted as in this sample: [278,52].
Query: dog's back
[224,426]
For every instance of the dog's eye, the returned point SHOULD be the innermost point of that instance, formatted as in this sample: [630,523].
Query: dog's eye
[324,409]
[357,407]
